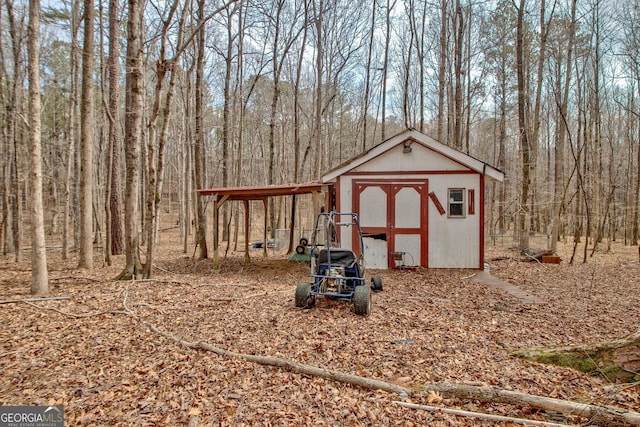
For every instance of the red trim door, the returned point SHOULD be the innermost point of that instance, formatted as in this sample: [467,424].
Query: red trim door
[393,217]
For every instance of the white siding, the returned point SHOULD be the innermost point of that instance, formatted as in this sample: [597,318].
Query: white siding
[453,242]
[420,159]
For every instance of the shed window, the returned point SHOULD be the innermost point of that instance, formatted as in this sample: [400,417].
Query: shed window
[456,202]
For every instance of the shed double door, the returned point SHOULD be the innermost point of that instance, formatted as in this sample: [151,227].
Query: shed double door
[393,217]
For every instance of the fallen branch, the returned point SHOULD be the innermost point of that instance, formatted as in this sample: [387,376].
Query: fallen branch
[77,316]
[169,282]
[463,413]
[290,365]
[13,301]
[598,414]
[81,315]
[88,279]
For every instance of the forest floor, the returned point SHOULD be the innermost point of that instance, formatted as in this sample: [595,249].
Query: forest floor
[98,355]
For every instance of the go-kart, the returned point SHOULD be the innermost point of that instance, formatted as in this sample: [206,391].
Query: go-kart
[337,272]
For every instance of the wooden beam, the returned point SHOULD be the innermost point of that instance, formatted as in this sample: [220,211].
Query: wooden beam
[224,199]
[318,195]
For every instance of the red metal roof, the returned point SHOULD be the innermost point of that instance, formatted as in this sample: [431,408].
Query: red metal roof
[262,192]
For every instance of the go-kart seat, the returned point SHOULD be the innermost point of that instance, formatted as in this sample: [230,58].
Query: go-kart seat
[341,257]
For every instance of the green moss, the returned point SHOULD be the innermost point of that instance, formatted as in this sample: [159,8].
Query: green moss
[612,362]
[571,360]
[597,364]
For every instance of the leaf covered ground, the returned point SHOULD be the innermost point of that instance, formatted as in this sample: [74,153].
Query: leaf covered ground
[96,355]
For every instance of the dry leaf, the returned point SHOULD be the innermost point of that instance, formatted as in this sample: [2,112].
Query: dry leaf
[434,397]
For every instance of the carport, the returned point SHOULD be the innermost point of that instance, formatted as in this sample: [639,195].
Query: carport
[219,196]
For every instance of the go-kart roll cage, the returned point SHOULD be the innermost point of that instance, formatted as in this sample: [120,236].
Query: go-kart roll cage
[335,271]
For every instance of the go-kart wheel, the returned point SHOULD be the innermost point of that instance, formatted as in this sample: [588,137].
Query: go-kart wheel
[300,249]
[303,295]
[376,283]
[362,300]
[304,241]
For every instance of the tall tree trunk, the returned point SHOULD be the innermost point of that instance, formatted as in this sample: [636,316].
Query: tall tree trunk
[466,133]
[636,200]
[558,187]
[502,140]
[296,125]
[317,126]
[72,126]
[226,119]
[421,63]
[367,79]
[85,256]
[133,137]
[13,233]
[442,64]
[523,242]
[155,143]
[385,66]
[406,92]
[274,110]
[458,30]
[187,162]
[199,155]
[535,132]
[239,110]
[114,203]
[39,274]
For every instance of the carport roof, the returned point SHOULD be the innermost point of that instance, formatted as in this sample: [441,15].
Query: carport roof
[262,192]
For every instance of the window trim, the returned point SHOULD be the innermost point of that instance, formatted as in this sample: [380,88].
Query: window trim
[461,203]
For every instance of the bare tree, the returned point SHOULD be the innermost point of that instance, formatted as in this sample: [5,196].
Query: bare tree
[85,256]
[367,79]
[133,137]
[297,122]
[284,29]
[458,35]
[114,235]
[525,149]
[442,67]
[72,126]
[631,30]
[318,14]
[13,210]
[39,273]
[561,133]
[154,160]
[385,63]
[498,55]
[201,227]
[228,56]
[417,18]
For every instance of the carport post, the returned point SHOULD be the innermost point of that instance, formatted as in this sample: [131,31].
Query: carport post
[292,224]
[265,202]
[215,256]
[217,204]
[246,231]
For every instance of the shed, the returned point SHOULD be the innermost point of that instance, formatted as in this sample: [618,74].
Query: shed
[420,203]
